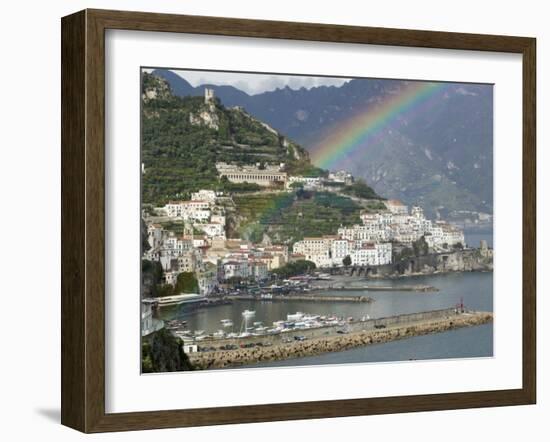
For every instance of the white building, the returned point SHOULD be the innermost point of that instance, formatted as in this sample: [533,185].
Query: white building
[236,269]
[208,279]
[209,196]
[450,235]
[308,182]
[212,230]
[372,254]
[190,261]
[258,270]
[340,248]
[195,210]
[266,175]
[341,177]
[317,250]
[154,235]
[148,323]
[396,206]
[170,277]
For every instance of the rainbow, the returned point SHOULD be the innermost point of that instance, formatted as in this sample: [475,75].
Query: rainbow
[355,133]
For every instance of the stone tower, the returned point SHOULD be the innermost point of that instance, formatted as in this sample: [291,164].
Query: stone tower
[208,95]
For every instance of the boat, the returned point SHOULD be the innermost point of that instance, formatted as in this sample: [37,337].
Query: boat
[227,322]
[311,317]
[247,314]
[184,298]
[219,334]
[260,330]
[324,277]
[294,317]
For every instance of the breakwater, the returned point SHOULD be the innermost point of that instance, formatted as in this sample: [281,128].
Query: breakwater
[373,288]
[247,351]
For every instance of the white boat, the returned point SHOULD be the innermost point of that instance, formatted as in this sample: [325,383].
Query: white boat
[219,334]
[248,313]
[310,317]
[294,317]
[227,322]
[324,277]
[184,298]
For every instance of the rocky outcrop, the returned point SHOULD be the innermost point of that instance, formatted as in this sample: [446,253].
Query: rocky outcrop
[162,352]
[470,260]
[207,118]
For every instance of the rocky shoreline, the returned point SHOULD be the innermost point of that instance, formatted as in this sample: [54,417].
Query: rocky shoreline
[335,343]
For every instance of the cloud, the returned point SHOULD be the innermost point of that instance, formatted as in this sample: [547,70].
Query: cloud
[257,83]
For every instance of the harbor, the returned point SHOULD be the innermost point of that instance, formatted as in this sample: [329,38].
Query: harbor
[344,335]
[302,297]
[206,323]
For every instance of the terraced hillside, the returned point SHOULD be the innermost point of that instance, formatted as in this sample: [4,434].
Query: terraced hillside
[288,217]
[184,137]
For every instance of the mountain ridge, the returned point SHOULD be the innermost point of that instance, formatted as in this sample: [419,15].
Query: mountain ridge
[441,160]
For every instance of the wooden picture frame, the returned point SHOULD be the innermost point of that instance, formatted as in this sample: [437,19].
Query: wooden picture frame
[83,220]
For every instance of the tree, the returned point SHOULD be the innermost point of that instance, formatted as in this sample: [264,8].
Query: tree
[361,189]
[420,247]
[163,352]
[186,283]
[294,268]
[405,253]
[347,261]
[296,185]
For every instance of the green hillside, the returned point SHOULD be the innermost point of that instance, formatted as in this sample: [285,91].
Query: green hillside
[289,217]
[184,137]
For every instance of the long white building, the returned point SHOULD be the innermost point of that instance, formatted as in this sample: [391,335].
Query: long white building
[329,251]
[263,175]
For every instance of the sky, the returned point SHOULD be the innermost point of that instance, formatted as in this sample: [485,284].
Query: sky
[254,84]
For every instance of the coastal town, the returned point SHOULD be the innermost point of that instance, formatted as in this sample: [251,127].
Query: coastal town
[218,262]
[268,227]
[205,250]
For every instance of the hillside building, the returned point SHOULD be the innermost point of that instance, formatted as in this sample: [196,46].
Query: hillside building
[266,175]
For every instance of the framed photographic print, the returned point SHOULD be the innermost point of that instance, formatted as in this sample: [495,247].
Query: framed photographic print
[267,221]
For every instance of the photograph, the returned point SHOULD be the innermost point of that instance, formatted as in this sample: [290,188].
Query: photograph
[303,220]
